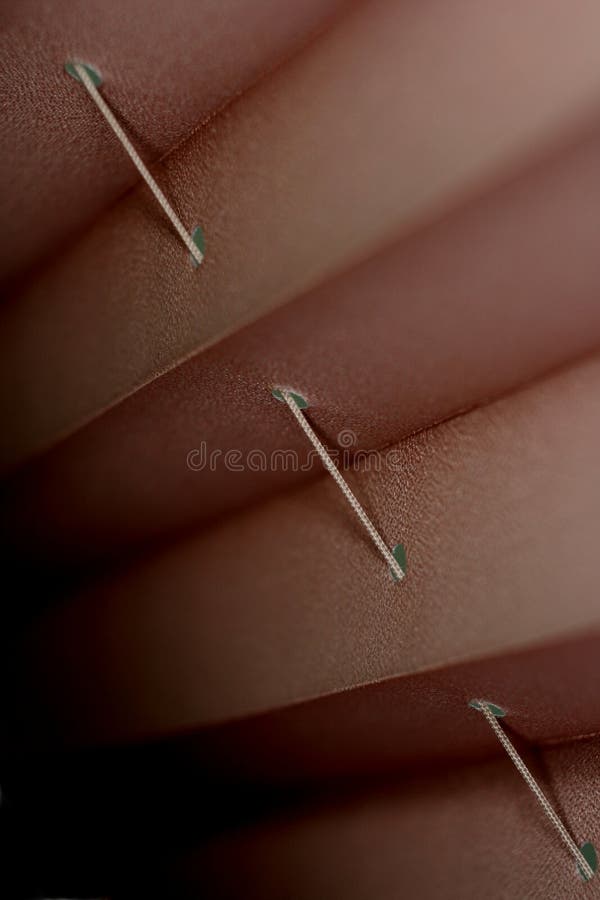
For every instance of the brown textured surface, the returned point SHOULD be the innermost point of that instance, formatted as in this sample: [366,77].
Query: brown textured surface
[125,300]
[270,653]
[492,295]
[400,725]
[415,721]
[152,807]
[498,510]
[461,835]
[165,68]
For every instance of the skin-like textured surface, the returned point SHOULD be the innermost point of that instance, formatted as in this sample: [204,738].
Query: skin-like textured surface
[498,510]
[153,809]
[125,300]
[417,720]
[495,294]
[164,70]
[466,834]
[402,223]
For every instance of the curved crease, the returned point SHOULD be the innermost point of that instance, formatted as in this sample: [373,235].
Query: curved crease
[120,303]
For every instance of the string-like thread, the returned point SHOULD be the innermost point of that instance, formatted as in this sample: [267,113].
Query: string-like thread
[343,486]
[536,790]
[137,161]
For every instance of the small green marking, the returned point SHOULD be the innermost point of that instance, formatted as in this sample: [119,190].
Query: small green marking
[95,76]
[399,554]
[588,851]
[493,708]
[298,399]
[198,239]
